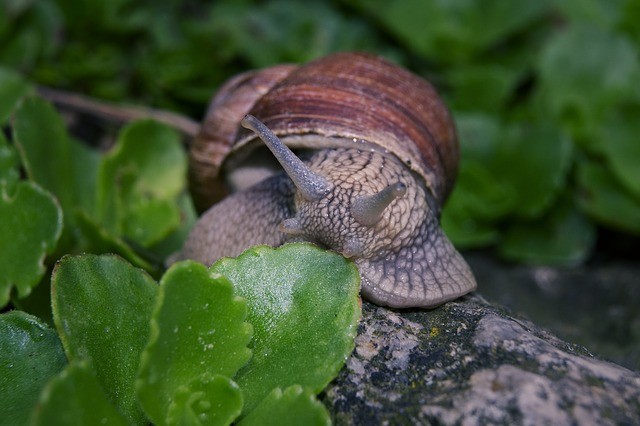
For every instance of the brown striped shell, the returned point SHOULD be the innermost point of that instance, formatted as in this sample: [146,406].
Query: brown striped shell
[220,127]
[346,100]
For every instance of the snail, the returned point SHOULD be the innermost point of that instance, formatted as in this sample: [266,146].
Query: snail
[376,156]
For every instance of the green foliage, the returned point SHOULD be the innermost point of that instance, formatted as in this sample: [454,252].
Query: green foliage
[198,336]
[546,100]
[100,240]
[562,236]
[129,201]
[578,88]
[293,406]
[54,161]
[452,31]
[603,198]
[207,400]
[139,181]
[48,154]
[294,342]
[546,85]
[12,88]
[175,53]
[173,354]
[75,397]
[294,31]
[619,138]
[61,197]
[9,172]
[30,355]
[537,89]
[535,159]
[30,225]
[89,184]
[101,308]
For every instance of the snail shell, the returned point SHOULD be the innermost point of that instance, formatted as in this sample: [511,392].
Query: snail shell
[219,128]
[380,158]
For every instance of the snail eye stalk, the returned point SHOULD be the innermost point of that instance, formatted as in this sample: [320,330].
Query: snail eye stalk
[368,209]
[311,185]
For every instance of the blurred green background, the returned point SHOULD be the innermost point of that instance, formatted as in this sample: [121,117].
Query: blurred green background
[546,94]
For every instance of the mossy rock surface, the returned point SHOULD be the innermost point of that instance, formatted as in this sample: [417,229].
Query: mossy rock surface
[470,361]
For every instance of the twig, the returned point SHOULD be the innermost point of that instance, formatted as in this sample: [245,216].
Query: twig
[118,113]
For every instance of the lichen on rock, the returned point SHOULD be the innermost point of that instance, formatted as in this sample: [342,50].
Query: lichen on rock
[469,362]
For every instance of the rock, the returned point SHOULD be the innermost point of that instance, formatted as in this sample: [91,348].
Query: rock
[603,297]
[469,362]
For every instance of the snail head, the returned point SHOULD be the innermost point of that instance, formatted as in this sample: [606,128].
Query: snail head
[352,201]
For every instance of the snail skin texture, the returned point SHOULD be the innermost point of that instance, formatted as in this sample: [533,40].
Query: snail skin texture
[376,156]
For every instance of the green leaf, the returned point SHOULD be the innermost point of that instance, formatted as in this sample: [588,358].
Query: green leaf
[605,200]
[478,201]
[481,87]
[619,142]
[150,221]
[604,13]
[174,241]
[75,397]
[304,307]
[456,30]
[101,307]
[208,400]
[38,302]
[198,325]
[479,135]
[139,182]
[84,175]
[55,161]
[578,86]
[98,240]
[9,163]
[30,225]
[466,232]
[48,154]
[32,35]
[12,89]
[296,31]
[563,237]
[294,406]
[629,14]
[480,194]
[534,159]
[30,355]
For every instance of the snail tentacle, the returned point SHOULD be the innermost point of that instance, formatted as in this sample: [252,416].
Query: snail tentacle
[353,247]
[291,226]
[311,185]
[367,209]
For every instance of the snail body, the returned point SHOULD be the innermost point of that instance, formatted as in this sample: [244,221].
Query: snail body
[376,156]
